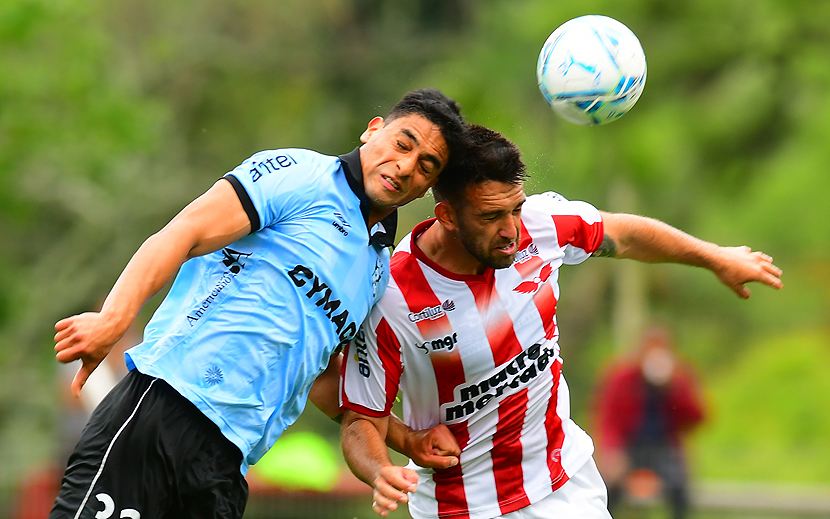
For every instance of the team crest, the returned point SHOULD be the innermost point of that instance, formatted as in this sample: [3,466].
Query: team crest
[529,287]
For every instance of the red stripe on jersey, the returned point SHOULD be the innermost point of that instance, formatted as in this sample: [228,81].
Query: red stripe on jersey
[497,323]
[556,436]
[507,453]
[544,298]
[573,230]
[507,448]
[389,352]
[416,291]
[449,483]
[545,302]
[449,373]
[364,410]
[534,262]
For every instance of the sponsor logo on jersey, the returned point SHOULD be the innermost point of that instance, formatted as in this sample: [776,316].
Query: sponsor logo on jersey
[446,343]
[303,276]
[529,287]
[433,312]
[377,275]
[510,378]
[270,165]
[341,224]
[525,254]
[233,260]
[361,355]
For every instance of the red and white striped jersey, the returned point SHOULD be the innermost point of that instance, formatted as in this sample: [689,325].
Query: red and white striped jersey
[480,354]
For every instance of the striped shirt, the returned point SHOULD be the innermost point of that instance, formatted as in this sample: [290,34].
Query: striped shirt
[480,354]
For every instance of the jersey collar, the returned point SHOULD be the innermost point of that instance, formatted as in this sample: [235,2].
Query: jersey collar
[485,277]
[384,231]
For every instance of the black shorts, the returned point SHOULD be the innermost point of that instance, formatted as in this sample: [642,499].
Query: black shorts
[147,452]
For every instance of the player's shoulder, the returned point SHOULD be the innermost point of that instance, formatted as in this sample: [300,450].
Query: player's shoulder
[551,203]
[288,169]
[401,264]
[286,159]
[544,201]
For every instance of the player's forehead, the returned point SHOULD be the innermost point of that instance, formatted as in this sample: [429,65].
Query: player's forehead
[421,131]
[492,196]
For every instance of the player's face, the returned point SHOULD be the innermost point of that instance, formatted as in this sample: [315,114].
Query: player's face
[401,159]
[489,222]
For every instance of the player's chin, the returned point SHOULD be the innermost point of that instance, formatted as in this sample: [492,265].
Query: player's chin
[384,200]
[500,260]
[389,198]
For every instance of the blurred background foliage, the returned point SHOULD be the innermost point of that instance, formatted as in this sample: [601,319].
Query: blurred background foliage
[114,114]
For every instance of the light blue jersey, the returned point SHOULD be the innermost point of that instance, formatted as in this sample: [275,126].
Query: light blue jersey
[244,331]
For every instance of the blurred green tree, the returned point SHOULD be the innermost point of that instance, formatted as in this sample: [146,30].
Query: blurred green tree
[113,115]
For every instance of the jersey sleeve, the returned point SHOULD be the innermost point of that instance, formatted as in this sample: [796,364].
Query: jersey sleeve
[372,368]
[273,184]
[579,229]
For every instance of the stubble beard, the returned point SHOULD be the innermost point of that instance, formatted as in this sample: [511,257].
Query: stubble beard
[482,255]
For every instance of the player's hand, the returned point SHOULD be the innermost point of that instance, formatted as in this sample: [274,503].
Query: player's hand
[393,485]
[434,448]
[740,265]
[88,337]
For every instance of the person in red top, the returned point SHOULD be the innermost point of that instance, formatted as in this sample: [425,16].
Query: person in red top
[645,407]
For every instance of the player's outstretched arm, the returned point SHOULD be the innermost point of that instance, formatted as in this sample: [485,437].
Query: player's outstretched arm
[649,240]
[362,438]
[210,222]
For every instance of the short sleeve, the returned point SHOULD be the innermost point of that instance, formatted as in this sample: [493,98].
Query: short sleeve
[579,229]
[274,183]
[372,368]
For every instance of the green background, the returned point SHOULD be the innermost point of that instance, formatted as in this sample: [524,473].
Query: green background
[114,114]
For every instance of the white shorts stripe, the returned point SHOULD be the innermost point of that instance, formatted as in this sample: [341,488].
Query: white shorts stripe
[109,448]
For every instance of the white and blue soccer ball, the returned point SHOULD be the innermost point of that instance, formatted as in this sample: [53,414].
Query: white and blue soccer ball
[591,70]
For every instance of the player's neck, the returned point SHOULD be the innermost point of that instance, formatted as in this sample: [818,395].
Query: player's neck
[377,214]
[445,248]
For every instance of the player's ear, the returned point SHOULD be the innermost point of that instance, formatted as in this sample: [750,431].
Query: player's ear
[446,216]
[374,125]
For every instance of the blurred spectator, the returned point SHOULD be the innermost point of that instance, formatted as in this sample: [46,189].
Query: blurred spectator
[646,405]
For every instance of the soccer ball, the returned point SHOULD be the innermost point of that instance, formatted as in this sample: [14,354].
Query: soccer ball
[591,70]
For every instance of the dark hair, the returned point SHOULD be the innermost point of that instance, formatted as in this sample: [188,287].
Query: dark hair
[489,156]
[441,111]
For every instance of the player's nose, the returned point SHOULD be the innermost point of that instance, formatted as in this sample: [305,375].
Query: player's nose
[508,229]
[407,164]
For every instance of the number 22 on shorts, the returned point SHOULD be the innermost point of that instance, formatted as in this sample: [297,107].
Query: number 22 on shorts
[109,509]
